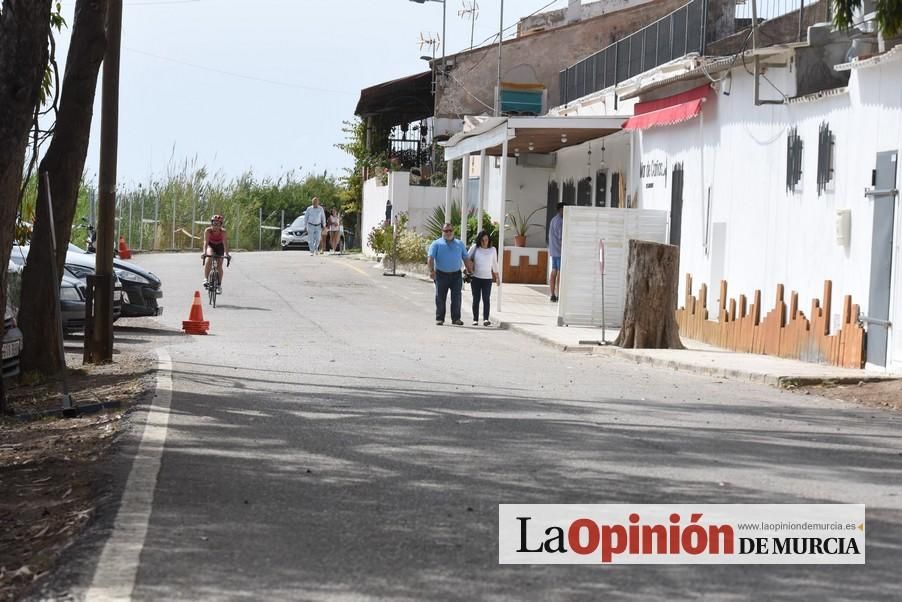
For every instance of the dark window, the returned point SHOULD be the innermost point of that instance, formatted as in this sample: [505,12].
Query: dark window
[584,192]
[793,160]
[569,192]
[676,204]
[824,158]
[601,188]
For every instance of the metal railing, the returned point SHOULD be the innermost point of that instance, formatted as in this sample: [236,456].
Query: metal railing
[678,34]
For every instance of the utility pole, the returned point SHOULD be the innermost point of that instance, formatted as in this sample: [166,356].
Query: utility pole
[500,39]
[99,347]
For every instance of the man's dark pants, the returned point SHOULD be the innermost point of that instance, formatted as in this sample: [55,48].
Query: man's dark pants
[445,281]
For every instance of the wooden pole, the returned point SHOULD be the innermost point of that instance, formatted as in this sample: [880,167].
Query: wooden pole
[99,349]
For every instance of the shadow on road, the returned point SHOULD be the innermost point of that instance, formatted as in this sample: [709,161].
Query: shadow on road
[379,488]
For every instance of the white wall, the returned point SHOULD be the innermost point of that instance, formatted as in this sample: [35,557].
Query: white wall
[417,201]
[374,198]
[760,234]
[527,190]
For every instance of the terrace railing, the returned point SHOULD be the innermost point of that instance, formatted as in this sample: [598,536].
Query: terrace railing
[682,32]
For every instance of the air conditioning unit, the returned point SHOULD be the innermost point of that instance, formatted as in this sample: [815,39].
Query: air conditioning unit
[546,161]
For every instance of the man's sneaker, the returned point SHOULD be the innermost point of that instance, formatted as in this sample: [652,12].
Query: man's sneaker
[439,322]
[554,298]
[475,322]
[206,284]
[487,323]
[218,290]
[458,322]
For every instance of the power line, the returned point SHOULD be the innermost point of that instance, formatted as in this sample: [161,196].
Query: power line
[241,75]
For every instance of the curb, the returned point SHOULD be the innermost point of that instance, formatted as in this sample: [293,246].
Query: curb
[587,349]
[774,380]
[78,410]
[734,374]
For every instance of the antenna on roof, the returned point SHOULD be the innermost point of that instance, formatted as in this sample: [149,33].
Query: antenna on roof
[470,9]
[429,39]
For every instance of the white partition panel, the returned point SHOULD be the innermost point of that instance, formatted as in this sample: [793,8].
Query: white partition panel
[585,229]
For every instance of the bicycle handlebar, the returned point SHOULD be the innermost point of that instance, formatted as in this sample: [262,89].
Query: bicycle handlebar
[228,258]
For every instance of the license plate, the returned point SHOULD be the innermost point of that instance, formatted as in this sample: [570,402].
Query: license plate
[11,349]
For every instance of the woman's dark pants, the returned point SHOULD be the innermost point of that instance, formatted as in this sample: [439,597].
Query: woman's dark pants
[481,287]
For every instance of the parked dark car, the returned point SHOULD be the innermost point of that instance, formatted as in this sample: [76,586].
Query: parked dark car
[72,291]
[12,345]
[142,288]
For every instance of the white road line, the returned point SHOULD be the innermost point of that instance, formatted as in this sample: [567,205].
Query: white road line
[117,569]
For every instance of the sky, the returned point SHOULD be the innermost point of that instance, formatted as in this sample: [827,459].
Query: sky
[264,85]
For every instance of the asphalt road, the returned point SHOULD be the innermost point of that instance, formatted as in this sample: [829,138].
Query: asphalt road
[327,441]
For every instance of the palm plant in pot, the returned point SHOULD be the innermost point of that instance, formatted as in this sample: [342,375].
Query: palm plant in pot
[521,225]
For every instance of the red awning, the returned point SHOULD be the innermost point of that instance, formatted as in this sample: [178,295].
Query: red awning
[668,111]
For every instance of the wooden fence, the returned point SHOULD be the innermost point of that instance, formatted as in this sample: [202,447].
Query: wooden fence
[783,332]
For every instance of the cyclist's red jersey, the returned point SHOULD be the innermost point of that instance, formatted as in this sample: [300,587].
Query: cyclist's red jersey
[215,237]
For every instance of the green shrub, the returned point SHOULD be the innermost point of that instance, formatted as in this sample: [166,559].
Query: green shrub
[412,247]
[379,239]
[437,220]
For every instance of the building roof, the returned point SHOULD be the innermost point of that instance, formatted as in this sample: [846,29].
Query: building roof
[546,134]
[401,100]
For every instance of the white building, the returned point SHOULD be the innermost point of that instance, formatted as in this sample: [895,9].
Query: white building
[747,200]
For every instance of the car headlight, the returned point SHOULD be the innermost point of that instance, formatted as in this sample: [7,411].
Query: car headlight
[69,293]
[131,277]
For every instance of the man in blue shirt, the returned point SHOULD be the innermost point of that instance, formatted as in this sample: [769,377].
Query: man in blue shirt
[555,233]
[445,257]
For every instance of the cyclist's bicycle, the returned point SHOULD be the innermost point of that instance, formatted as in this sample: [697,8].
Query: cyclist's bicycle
[213,284]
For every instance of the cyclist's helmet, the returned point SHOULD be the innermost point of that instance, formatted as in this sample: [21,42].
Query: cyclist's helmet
[217,218]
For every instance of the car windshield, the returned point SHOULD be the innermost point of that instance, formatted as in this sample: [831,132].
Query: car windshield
[298,223]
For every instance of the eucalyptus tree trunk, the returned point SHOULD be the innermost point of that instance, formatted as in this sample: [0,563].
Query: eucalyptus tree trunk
[64,164]
[649,318]
[24,31]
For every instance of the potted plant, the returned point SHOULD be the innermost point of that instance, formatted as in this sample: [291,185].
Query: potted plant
[521,225]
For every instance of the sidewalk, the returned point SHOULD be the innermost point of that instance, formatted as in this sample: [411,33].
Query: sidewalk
[526,309]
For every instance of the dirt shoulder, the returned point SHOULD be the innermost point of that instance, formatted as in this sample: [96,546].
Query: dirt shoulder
[48,466]
[882,394]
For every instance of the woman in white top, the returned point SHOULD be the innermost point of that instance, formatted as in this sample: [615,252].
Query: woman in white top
[485,271]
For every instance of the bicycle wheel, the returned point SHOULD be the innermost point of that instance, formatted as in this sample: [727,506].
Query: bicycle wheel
[211,291]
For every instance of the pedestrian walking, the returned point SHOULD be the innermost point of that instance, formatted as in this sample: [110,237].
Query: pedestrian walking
[334,226]
[485,271]
[555,233]
[315,218]
[445,257]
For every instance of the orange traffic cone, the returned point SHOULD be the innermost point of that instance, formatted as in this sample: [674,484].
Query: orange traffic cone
[124,253]
[195,324]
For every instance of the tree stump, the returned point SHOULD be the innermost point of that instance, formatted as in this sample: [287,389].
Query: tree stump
[649,318]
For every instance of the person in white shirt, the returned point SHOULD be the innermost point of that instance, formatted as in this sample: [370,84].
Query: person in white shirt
[485,271]
[315,219]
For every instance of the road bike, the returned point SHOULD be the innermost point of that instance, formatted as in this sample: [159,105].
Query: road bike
[214,281]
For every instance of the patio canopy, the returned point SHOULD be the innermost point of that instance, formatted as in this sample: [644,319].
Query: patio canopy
[399,101]
[546,134]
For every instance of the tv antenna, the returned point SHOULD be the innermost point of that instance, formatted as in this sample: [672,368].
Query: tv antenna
[471,10]
[431,40]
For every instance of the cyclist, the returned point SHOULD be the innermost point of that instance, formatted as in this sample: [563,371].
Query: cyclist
[216,246]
